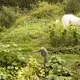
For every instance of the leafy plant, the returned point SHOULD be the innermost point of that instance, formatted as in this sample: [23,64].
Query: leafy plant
[45,10]
[61,37]
[8,15]
[4,75]
[29,72]
[72,9]
[55,69]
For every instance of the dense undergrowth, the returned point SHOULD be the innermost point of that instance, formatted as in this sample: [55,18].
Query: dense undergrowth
[30,31]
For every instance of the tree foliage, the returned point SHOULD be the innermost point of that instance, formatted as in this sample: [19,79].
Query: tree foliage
[21,3]
[7,16]
[72,6]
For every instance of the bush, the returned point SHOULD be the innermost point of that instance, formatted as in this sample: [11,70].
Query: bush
[53,1]
[2,29]
[69,8]
[46,10]
[76,72]
[56,70]
[68,50]
[64,37]
[21,3]
[30,71]
[8,15]
[4,75]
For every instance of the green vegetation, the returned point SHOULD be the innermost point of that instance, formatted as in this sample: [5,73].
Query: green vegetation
[25,27]
[72,9]
[8,15]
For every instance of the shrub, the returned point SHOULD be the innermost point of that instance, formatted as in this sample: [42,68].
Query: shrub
[10,60]
[56,70]
[46,10]
[76,72]
[4,75]
[29,72]
[53,1]
[2,29]
[69,8]
[21,3]
[8,15]
[64,37]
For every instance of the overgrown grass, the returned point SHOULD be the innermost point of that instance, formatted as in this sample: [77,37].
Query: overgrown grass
[32,33]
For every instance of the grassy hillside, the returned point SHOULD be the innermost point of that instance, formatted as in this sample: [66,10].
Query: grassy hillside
[32,34]
[29,33]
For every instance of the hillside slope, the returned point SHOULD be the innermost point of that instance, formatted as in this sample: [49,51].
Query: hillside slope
[31,33]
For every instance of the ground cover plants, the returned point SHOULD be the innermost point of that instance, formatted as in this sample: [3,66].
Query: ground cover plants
[22,33]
